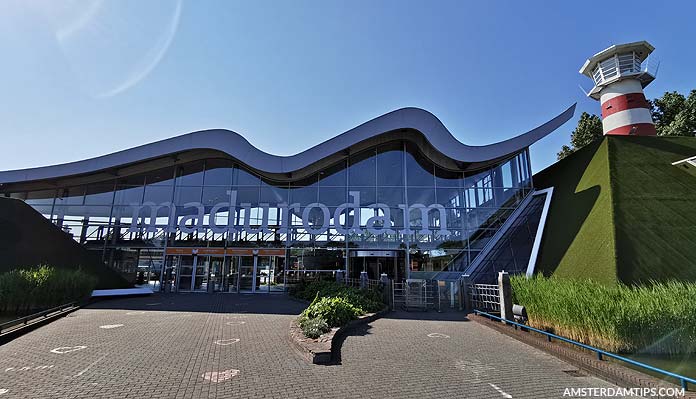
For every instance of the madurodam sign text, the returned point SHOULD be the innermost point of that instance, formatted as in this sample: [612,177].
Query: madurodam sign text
[219,221]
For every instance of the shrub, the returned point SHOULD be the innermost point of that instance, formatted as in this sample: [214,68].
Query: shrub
[335,310]
[657,318]
[313,328]
[42,287]
[335,303]
[366,300]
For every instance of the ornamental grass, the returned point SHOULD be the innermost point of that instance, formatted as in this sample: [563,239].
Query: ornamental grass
[652,318]
[32,289]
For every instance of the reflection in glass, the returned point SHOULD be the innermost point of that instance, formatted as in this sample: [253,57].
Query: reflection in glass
[190,174]
[390,165]
[363,169]
[218,172]
[419,170]
[335,175]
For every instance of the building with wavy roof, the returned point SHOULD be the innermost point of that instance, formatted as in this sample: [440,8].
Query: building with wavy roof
[207,211]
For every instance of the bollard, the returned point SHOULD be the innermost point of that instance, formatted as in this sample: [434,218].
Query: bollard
[386,286]
[505,293]
[389,294]
[339,276]
[465,290]
[363,279]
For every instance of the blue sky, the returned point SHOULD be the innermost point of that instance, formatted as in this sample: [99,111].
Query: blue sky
[83,78]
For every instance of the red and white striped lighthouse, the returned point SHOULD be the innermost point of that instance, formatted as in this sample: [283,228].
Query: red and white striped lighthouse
[620,73]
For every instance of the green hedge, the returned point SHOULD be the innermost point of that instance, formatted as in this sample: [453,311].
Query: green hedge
[333,305]
[42,287]
[369,301]
[655,318]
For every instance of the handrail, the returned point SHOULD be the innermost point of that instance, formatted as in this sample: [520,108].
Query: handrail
[25,320]
[684,380]
[476,262]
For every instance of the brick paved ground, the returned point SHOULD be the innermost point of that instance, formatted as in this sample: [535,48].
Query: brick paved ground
[167,343]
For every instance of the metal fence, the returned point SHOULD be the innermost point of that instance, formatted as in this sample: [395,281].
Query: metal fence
[485,297]
[297,276]
[414,294]
[369,284]
[35,317]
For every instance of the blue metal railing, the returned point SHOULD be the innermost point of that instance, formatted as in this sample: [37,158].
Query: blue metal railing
[683,380]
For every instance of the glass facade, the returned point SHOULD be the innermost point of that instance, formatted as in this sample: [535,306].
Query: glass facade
[389,197]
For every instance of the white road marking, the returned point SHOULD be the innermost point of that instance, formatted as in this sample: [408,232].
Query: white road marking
[110,326]
[474,367]
[136,312]
[500,391]
[219,376]
[25,368]
[3,390]
[225,342]
[235,323]
[438,335]
[153,304]
[90,365]
[67,349]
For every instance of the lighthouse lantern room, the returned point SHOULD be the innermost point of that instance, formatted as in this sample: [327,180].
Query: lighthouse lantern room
[620,73]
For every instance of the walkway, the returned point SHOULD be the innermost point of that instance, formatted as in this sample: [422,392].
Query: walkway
[236,346]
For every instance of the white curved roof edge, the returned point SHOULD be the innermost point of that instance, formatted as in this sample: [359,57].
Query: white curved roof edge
[239,148]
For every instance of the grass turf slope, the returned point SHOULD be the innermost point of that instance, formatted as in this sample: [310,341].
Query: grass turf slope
[578,239]
[29,239]
[655,208]
[621,212]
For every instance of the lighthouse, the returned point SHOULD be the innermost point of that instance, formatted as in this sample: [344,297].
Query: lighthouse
[620,73]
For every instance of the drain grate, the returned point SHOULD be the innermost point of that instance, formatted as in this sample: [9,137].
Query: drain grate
[575,373]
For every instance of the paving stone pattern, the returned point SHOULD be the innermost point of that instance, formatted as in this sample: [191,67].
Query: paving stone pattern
[164,346]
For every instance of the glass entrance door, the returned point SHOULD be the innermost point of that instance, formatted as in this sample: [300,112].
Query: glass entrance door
[200,279]
[271,271]
[169,274]
[185,273]
[217,274]
[211,273]
[247,274]
[231,274]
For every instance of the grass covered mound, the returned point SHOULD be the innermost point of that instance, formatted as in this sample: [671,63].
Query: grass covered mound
[333,305]
[654,212]
[26,290]
[621,212]
[655,318]
[22,227]
[578,240]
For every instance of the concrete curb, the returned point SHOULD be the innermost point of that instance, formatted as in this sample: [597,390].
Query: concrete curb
[607,370]
[327,348]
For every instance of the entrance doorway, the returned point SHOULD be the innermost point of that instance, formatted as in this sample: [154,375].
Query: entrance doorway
[376,262]
[192,273]
[261,274]
[219,270]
